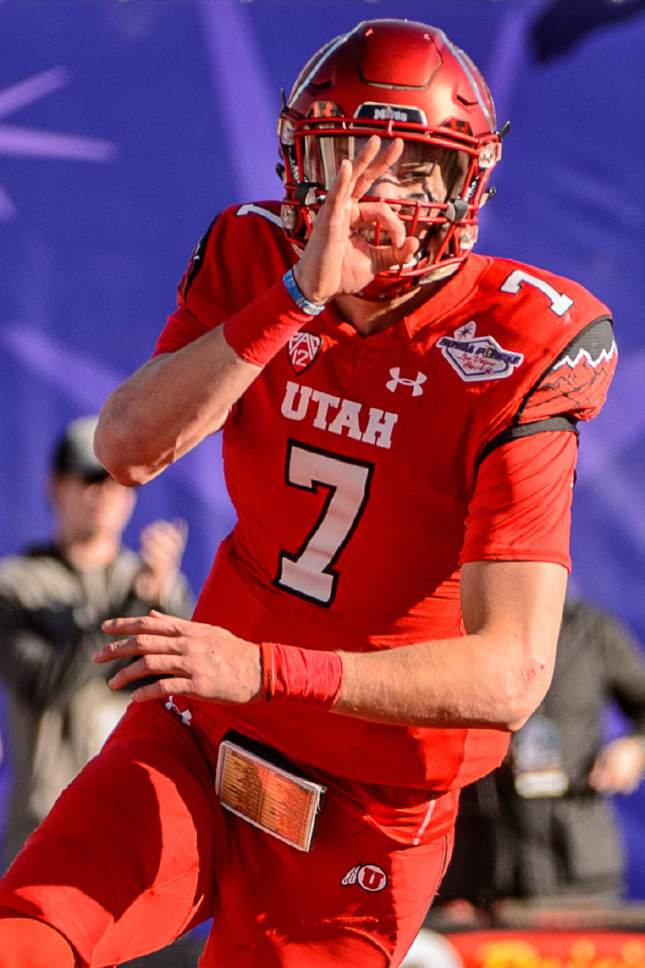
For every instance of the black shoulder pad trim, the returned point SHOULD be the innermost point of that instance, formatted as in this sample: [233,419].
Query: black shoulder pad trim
[596,338]
[604,334]
[563,422]
[196,260]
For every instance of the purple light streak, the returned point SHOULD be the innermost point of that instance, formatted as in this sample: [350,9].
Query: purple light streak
[28,142]
[33,89]
[241,91]
[8,210]
[506,59]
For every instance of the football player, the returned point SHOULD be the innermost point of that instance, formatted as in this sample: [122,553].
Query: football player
[400,435]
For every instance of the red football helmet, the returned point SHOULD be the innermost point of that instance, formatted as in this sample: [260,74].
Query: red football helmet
[395,79]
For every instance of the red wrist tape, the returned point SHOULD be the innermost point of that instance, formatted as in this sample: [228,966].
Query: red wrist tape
[292,673]
[262,328]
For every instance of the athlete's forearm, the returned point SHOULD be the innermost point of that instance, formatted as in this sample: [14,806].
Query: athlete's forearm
[468,681]
[494,676]
[177,399]
[169,406]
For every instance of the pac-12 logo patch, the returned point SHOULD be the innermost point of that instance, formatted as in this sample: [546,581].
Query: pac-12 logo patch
[303,349]
[478,357]
[370,877]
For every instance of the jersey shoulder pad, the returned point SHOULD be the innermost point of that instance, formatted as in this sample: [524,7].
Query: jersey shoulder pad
[258,225]
[522,292]
[576,384]
[243,251]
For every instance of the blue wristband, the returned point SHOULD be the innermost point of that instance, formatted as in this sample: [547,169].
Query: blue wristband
[301,301]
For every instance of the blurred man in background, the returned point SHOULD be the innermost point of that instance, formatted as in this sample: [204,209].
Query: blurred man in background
[53,598]
[541,825]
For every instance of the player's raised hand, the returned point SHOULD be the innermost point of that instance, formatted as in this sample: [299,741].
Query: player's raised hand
[192,658]
[162,545]
[619,766]
[340,257]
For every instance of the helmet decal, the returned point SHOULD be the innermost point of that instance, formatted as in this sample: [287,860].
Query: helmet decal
[317,62]
[470,71]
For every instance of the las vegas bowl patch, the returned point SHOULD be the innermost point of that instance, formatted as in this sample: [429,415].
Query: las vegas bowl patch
[475,357]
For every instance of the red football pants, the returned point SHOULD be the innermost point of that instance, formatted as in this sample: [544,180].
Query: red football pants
[137,851]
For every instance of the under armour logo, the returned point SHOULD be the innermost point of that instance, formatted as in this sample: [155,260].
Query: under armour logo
[416,385]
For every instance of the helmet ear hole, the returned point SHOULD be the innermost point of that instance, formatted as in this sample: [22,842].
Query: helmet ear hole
[280,171]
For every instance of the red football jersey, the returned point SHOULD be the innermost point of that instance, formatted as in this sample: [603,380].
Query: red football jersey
[357,466]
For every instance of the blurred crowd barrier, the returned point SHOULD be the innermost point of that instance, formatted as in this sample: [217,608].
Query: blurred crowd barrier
[549,934]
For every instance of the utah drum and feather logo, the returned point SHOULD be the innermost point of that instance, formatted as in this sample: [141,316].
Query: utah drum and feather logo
[370,877]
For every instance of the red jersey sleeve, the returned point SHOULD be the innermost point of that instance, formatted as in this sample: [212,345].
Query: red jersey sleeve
[238,262]
[521,508]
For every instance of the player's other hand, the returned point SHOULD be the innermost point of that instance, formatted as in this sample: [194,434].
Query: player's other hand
[619,766]
[192,659]
[162,545]
[338,258]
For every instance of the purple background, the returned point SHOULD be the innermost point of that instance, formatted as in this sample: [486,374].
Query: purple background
[125,126]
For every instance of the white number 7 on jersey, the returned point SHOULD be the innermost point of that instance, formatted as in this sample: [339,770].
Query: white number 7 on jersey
[309,573]
[560,302]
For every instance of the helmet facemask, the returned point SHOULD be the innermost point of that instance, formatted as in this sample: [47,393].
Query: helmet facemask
[436,188]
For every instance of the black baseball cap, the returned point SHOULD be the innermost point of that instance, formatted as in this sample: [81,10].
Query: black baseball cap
[74,451]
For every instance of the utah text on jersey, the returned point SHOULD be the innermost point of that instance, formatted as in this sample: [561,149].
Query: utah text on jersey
[339,416]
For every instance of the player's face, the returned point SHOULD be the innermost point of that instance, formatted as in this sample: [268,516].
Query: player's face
[424,174]
[87,508]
